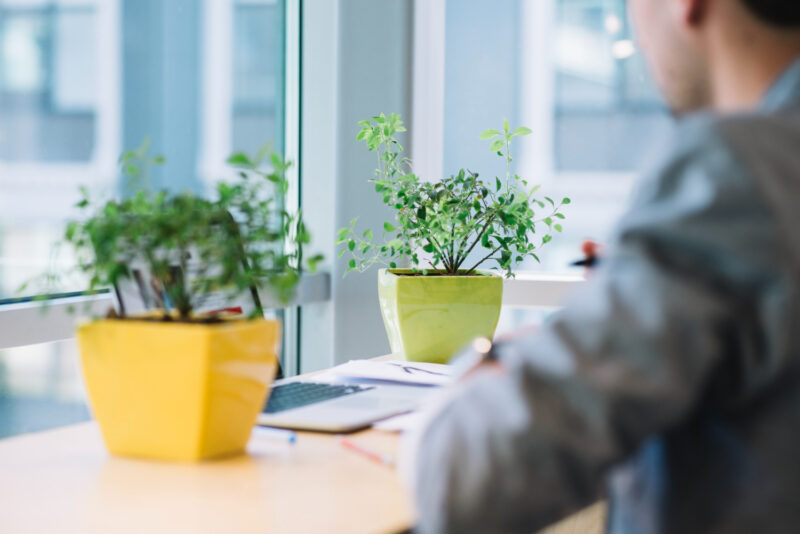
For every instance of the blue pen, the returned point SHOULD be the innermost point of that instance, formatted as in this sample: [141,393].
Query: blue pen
[286,435]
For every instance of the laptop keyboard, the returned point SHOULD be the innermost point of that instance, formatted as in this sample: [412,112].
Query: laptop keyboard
[298,394]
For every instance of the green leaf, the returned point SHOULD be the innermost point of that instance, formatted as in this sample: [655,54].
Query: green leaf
[489,134]
[497,145]
[506,126]
[558,228]
[315,260]
[522,131]
[499,184]
[343,233]
[351,245]
[240,158]
[566,201]
[389,227]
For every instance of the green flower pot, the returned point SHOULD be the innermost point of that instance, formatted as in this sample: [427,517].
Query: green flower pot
[431,318]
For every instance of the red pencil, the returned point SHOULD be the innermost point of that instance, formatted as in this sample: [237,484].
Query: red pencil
[383,459]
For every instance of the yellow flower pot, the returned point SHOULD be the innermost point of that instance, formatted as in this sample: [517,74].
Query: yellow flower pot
[177,391]
[430,318]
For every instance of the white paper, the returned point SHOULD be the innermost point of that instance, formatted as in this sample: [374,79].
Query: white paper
[397,371]
[399,423]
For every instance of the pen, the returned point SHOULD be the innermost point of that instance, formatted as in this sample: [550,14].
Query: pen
[383,459]
[591,255]
[286,435]
[586,262]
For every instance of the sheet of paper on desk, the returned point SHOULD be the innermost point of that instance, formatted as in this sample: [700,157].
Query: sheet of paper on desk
[398,371]
[399,423]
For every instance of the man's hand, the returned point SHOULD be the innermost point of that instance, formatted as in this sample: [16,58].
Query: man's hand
[482,368]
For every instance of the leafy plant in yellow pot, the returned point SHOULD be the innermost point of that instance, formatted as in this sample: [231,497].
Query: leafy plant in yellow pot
[444,231]
[179,384]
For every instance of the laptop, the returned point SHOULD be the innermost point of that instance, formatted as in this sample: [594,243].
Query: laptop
[296,403]
[299,404]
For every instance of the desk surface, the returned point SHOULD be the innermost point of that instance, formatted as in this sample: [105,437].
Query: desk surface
[64,481]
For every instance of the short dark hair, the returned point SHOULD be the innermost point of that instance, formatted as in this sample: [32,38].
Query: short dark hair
[780,13]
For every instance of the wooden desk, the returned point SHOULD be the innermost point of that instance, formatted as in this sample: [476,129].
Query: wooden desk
[64,481]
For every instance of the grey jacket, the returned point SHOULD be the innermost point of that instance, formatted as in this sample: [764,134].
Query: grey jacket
[671,383]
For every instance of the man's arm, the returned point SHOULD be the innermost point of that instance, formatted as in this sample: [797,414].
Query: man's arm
[630,357]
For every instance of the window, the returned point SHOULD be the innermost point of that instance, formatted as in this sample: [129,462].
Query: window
[607,110]
[47,58]
[79,81]
[59,105]
[569,69]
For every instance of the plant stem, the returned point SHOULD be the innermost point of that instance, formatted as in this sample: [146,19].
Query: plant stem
[442,251]
[463,258]
[453,248]
[508,169]
[483,260]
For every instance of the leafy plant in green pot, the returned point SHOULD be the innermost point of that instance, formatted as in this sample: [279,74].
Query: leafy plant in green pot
[183,382]
[445,231]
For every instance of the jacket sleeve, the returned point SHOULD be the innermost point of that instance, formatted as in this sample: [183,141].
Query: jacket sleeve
[675,302]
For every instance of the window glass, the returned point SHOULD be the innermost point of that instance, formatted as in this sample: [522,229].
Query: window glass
[607,110]
[40,388]
[258,75]
[81,80]
[570,70]
[47,97]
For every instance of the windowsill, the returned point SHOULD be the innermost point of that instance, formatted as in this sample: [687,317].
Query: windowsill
[539,290]
[30,323]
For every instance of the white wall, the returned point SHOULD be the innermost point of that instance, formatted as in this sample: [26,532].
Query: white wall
[356,63]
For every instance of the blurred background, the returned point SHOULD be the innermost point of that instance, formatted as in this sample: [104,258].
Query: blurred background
[81,80]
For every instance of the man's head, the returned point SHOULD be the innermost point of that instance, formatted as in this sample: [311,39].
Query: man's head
[694,46]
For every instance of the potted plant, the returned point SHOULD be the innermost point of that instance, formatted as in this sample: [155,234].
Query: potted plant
[445,231]
[178,384]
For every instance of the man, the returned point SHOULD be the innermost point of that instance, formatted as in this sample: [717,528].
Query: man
[671,384]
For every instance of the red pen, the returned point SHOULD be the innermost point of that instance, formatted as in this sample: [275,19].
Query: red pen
[383,459]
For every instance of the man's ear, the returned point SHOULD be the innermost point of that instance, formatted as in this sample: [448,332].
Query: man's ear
[694,11]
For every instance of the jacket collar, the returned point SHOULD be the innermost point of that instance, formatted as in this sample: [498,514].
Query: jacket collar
[785,92]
